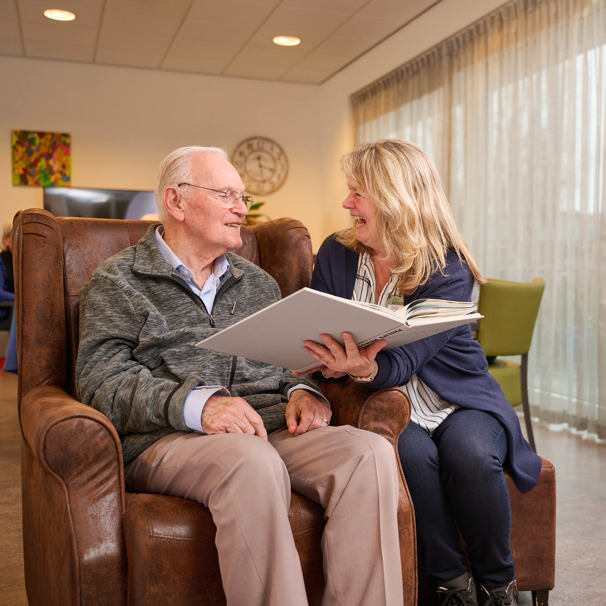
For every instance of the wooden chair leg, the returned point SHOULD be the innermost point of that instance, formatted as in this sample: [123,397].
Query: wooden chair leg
[525,402]
[540,597]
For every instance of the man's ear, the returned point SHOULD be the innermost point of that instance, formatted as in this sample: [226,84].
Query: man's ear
[173,202]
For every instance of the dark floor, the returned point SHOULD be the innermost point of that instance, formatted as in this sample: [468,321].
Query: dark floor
[581,527]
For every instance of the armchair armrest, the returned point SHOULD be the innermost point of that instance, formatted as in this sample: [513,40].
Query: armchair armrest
[73,501]
[384,411]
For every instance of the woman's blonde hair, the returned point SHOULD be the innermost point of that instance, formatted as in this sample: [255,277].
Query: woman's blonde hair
[414,218]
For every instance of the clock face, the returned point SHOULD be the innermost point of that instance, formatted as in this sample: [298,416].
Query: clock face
[262,164]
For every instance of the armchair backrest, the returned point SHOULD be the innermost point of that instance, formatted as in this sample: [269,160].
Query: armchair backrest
[55,256]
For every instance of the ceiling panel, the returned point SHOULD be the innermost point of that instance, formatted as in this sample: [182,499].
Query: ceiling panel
[10,34]
[395,10]
[232,12]
[225,37]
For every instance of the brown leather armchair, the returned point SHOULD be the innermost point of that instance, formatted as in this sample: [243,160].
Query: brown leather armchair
[86,540]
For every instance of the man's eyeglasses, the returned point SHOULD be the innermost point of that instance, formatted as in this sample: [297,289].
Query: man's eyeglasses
[226,196]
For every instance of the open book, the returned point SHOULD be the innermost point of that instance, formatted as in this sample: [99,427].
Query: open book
[275,334]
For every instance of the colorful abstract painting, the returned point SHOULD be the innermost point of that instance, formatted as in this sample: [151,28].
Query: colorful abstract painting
[41,158]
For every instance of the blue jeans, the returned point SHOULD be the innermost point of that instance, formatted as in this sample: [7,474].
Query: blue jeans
[456,480]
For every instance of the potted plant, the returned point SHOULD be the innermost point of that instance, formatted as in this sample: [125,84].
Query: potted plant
[254,216]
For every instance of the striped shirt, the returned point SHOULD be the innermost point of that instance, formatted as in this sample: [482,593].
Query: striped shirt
[428,409]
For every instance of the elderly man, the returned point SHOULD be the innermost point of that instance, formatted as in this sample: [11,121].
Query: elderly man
[225,431]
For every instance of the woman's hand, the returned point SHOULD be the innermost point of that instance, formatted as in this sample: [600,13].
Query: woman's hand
[337,360]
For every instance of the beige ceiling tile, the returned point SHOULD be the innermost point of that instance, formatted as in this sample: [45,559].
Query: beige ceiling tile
[149,52]
[356,36]
[88,12]
[144,30]
[306,76]
[40,31]
[397,11]
[199,56]
[312,77]
[282,62]
[76,43]
[254,70]
[213,33]
[202,64]
[369,28]
[63,52]
[138,52]
[344,47]
[208,36]
[10,42]
[139,28]
[312,26]
[10,33]
[8,12]
[319,65]
[233,12]
[132,58]
[271,51]
[206,41]
[137,15]
[338,6]
[74,40]
[8,17]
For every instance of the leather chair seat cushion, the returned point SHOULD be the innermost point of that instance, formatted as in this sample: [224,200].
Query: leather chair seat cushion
[170,542]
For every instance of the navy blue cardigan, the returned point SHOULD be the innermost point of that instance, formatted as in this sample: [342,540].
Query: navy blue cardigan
[452,363]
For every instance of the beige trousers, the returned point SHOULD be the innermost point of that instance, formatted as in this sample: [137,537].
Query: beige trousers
[246,483]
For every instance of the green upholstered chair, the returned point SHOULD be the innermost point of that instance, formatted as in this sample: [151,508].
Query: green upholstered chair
[510,310]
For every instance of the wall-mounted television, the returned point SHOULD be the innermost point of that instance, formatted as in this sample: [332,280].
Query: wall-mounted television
[99,203]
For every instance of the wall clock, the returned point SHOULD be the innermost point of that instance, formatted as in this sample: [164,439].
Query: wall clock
[262,164]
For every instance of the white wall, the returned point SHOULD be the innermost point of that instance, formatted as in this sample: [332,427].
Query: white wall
[123,121]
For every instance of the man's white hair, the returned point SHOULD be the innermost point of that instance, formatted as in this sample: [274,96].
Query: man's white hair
[177,168]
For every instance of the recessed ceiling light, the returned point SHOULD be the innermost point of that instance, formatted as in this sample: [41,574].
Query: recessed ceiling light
[57,14]
[286,40]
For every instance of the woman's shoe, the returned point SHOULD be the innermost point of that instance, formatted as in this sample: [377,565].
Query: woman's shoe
[500,596]
[460,591]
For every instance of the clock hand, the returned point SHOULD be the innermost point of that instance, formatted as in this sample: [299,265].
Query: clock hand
[262,167]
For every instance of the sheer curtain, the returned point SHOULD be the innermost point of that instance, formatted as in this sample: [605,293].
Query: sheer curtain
[513,112]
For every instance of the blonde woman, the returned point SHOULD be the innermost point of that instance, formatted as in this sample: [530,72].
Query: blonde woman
[404,245]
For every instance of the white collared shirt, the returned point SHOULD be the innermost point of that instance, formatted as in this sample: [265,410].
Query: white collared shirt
[427,408]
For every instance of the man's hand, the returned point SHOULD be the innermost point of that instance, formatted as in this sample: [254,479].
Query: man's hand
[305,412]
[224,414]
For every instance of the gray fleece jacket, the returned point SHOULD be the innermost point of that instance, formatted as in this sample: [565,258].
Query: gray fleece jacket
[138,360]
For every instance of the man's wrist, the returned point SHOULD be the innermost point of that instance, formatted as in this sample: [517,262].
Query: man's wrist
[195,402]
[303,387]
[367,378]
